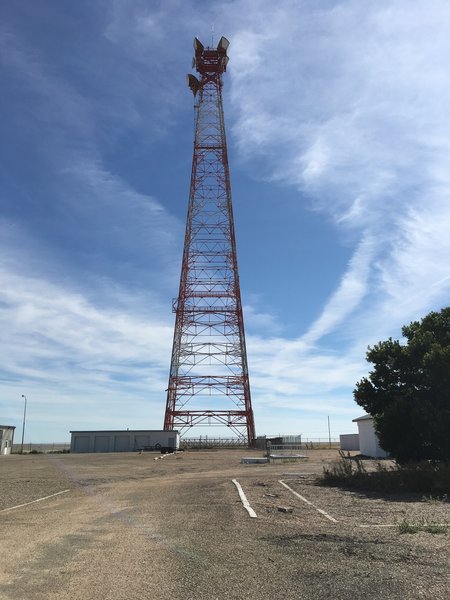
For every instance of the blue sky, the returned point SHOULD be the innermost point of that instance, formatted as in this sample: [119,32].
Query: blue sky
[338,122]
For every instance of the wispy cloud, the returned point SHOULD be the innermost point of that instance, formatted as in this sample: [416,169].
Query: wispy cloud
[88,261]
[352,114]
[108,227]
[344,101]
[352,290]
[59,347]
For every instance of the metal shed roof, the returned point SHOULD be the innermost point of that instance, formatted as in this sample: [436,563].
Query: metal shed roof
[363,418]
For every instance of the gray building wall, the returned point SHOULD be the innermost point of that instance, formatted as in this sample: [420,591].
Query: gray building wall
[123,441]
[349,441]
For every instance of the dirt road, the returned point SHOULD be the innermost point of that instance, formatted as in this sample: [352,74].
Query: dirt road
[126,526]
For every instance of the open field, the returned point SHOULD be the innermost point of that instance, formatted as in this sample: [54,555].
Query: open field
[130,527]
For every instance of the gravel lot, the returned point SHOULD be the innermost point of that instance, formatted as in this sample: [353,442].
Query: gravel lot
[131,527]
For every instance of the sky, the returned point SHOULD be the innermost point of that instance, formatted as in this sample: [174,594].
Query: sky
[338,128]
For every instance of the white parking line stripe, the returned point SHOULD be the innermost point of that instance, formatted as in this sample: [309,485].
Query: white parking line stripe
[33,501]
[244,500]
[322,512]
[398,524]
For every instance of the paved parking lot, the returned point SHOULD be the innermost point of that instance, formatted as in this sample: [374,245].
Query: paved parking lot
[126,526]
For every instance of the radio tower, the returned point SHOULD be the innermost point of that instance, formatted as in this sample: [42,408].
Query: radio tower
[208,383]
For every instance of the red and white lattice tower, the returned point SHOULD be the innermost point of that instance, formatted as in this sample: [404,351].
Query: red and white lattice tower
[208,383]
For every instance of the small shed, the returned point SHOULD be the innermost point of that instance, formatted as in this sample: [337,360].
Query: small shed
[369,444]
[6,438]
[124,441]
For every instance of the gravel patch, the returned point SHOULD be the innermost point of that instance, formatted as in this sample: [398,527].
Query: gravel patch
[133,528]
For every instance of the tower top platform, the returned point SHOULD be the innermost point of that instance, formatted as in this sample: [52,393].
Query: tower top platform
[210,60]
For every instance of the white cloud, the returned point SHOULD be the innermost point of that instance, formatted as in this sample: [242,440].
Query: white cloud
[257,320]
[347,298]
[346,103]
[42,321]
[69,132]
[61,348]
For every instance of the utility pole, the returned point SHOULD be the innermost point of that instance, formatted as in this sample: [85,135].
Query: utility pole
[329,432]
[23,423]
[208,381]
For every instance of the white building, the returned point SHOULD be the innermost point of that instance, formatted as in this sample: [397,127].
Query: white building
[6,438]
[368,440]
[124,441]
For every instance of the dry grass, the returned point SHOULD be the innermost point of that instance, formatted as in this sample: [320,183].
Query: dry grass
[425,477]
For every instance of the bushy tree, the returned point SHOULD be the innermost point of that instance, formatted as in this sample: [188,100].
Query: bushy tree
[408,391]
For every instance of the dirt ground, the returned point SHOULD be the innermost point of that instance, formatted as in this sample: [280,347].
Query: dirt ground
[127,526]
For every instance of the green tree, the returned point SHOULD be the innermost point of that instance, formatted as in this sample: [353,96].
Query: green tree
[408,391]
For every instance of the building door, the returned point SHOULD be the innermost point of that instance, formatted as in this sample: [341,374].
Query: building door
[81,443]
[101,443]
[121,443]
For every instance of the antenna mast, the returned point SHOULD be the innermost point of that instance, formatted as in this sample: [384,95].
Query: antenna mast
[208,382]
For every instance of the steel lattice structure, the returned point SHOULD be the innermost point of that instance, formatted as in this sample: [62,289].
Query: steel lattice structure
[209,383]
